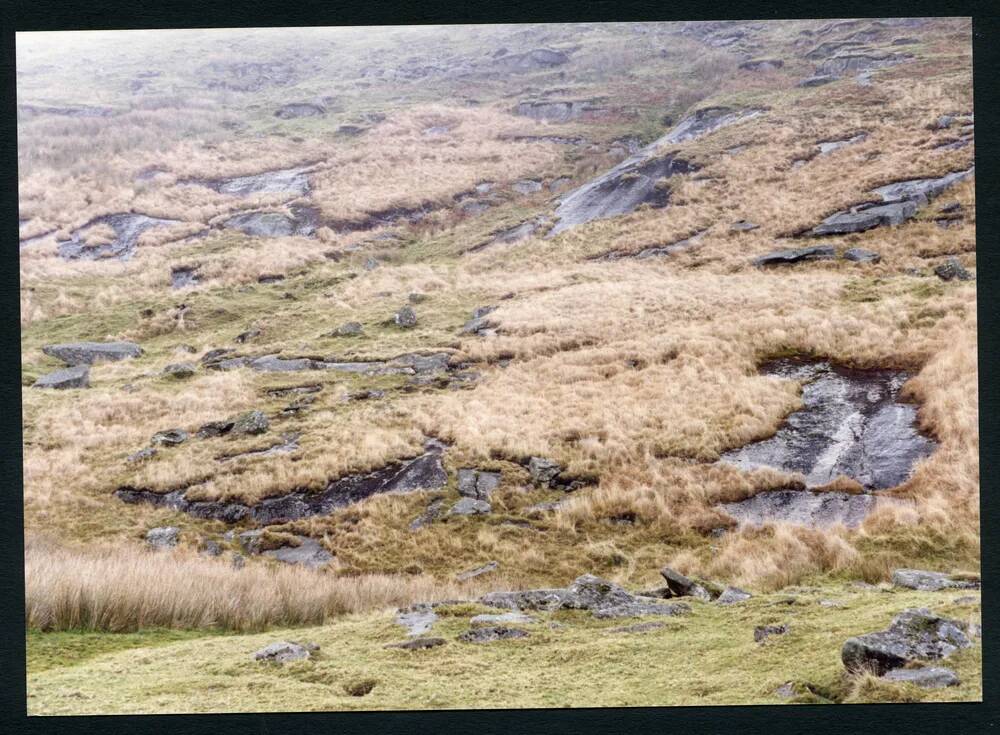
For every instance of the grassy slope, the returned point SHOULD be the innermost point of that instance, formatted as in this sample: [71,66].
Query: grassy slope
[708,657]
[698,321]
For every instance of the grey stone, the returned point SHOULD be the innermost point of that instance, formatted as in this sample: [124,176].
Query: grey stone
[743,226]
[922,191]
[527,186]
[71,377]
[966,600]
[915,634]
[247,336]
[491,566]
[543,471]
[282,652]
[489,634]
[841,223]
[210,548]
[214,428]
[928,677]
[762,65]
[431,514]
[418,644]
[544,599]
[732,596]
[417,620]
[916,579]
[817,80]
[169,437]
[763,632]
[275,364]
[862,255]
[309,553]
[638,628]
[141,456]
[951,270]
[540,58]
[785,691]
[128,228]
[251,422]
[477,484]
[88,353]
[802,507]
[299,109]
[163,537]
[470,507]
[501,619]
[794,255]
[405,318]
[179,370]
[677,583]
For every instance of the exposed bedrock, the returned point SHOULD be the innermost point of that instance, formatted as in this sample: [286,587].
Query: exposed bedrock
[87,353]
[292,181]
[425,472]
[803,508]
[300,221]
[127,228]
[851,423]
[637,179]
[557,111]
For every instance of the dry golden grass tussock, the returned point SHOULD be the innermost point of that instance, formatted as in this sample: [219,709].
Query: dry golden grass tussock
[128,589]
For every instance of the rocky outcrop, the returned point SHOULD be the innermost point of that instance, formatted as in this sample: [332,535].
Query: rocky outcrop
[803,508]
[862,255]
[289,181]
[602,598]
[71,377]
[491,633]
[636,180]
[859,61]
[179,370]
[425,472]
[182,276]
[540,58]
[468,574]
[470,507]
[817,81]
[762,632]
[169,438]
[163,537]
[477,484]
[405,318]
[557,111]
[654,251]
[917,579]
[249,423]
[501,619]
[88,353]
[795,255]
[299,109]
[733,596]
[926,677]
[916,634]
[952,270]
[283,652]
[851,424]
[347,329]
[417,619]
[762,65]
[901,200]
[128,228]
[300,221]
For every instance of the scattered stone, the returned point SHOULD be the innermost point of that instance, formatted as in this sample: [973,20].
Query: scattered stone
[478,571]
[492,633]
[966,600]
[244,337]
[762,632]
[477,483]
[430,515]
[282,652]
[163,537]
[299,109]
[818,80]
[249,423]
[470,507]
[527,186]
[540,58]
[179,370]
[214,428]
[930,677]
[916,579]
[942,123]
[732,596]
[638,627]
[417,298]
[238,561]
[417,620]
[88,353]
[169,438]
[405,318]
[785,691]
[762,65]
[543,471]
[951,269]
[743,226]
[418,644]
[141,456]
[266,278]
[677,583]
[210,548]
[915,634]
[795,255]
[71,377]
[511,617]
[370,264]
[308,552]
[862,255]
[181,276]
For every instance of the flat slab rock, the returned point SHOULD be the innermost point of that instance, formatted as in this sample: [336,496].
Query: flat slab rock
[851,424]
[492,633]
[802,507]
[284,651]
[916,579]
[927,677]
[128,228]
[71,377]
[88,353]
[425,472]
[916,634]
[417,620]
[602,598]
